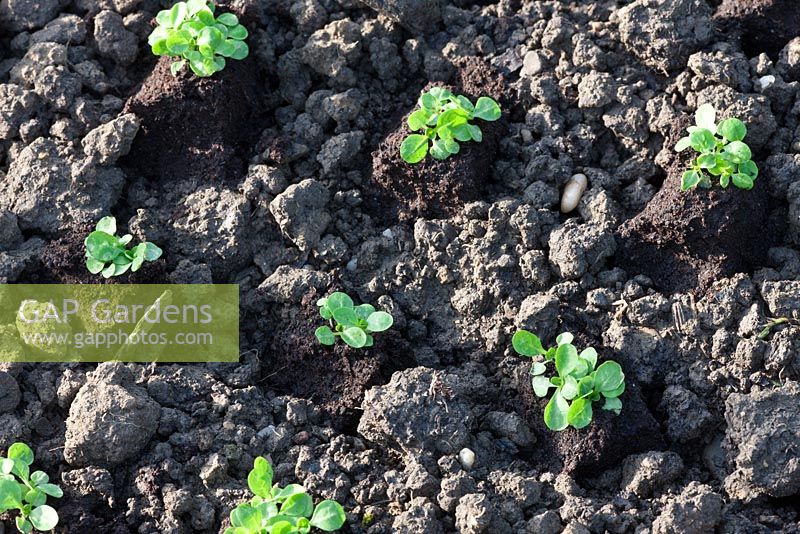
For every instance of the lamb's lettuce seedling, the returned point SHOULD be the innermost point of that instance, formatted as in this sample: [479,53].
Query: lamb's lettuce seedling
[27,492]
[722,152]
[190,32]
[108,254]
[444,119]
[354,324]
[578,384]
[276,510]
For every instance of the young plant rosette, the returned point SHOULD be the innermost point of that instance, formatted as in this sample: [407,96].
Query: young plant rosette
[444,120]
[190,33]
[353,324]
[108,254]
[723,154]
[27,492]
[577,383]
[276,510]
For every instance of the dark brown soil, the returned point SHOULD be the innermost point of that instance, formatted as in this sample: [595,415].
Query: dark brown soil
[600,446]
[435,188]
[684,241]
[335,378]
[764,25]
[194,128]
[63,261]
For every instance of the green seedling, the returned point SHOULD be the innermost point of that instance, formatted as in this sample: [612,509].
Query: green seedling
[190,32]
[577,384]
[26,492]
[444,120]
[354,324]
[722,152]
[276,510]
[108,254]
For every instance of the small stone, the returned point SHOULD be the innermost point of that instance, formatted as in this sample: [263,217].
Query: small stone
[467,458]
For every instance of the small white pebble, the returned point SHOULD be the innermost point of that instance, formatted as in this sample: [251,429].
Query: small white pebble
[765,81]
[467,458]
[573,192]
[388,233]
[352,265]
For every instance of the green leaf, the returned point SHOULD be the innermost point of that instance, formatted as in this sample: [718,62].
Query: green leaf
[94,266]
[151,251]
[707,161]
[564,339]
[580,413]
[241,50]
[246,516]
[475,133]
[176,15]
[6,465]
[107,224]
[486,109]
[427,101]
[176,67]
[379,321]
[355,337]
[615,392]
[414,148]
[288,491]
[608,376]
[725,180]
[462,133]
[566,359]
[363,311]
[702,140]
[325,335]
[35,497]
[527,344]
[418,119]
[39,477]
[339,300]
[328,516]
[164,19]
[298,505]
[690,179]
[585,385]
[345,316]
[439,150]
[179,42]
[742,181]
[259,480]
[738,152]
[749,168]
[52,490]
[555,413]
[23,525]
[102,246]
[613,405]
[228,19]
[538,368]
[541,385]
[570,388]
[196,5]
[10,495]
[705,118]
[238,33]
[683,144]
[732,129]
[44,518]
[20,451]
[589,355]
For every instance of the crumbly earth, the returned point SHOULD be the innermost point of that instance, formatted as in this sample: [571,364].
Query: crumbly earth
[283,204]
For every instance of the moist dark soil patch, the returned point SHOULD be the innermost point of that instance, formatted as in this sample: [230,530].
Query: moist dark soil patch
[764,25]
[602,445]
[193,128]
[684,241]
[335,378]
[435,188]
[63,261]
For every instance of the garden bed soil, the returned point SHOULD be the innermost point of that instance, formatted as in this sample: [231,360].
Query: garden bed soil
[434,188]
[765,26]
[196,129]
[332,377]
[602,445]
[684,241]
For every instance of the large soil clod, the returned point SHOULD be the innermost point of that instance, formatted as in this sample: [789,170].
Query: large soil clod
[765,26]
[433,188]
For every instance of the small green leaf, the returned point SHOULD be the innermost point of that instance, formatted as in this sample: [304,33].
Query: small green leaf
[259,480]
[298,505]
[379,321]
[570,388]
[94,266]
[10,495]
[683,144]
[228,19]
[486,109]
[151,251]
[439,150]
[725,180]
[690,179]
[238,33]
[325,335]
[107,225]
[732,129]
[705,118]
[749,168]
[613,405]
[538,368]
[176,16]
[355,337]
[742,181]
[589,355]
[328,516]
[702,140]
[427,101]
[52,490]
[43,518]
[418,119]
[527,344]
[247,516]
[345,316]
[20,451]
[102,246]
[241,50]
[339,300]
[566,359]
[541,385]
[580,413]
[608,376]
[564,339]
[555,413]
[414,148]
[707,161]
[738,152]
[176,67]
